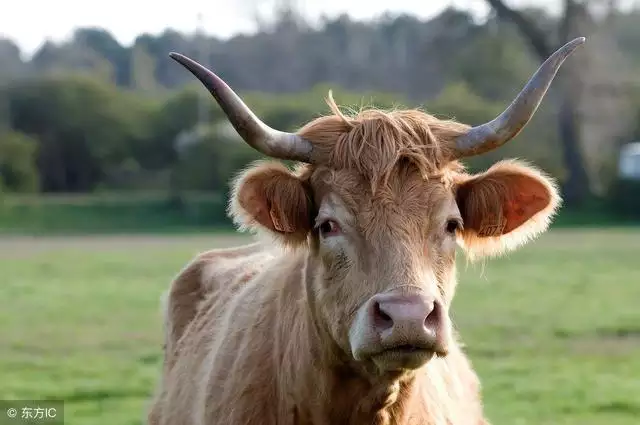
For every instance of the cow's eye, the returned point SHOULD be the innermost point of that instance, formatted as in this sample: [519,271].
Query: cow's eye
[452,225]
[329,228]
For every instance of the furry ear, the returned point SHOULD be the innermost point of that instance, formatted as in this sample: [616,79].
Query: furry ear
[505,207]
[268,196]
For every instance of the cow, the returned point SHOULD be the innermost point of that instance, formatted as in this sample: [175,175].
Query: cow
[339,312]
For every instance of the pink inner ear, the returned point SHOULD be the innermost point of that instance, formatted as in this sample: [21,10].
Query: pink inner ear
[270,196]
[527,198]
[278,224]
[259,207]
[255,204]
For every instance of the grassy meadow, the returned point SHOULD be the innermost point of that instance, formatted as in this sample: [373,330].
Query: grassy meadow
[553,329]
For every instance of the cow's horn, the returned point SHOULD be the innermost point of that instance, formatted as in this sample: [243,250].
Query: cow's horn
[508,124]
[271,142]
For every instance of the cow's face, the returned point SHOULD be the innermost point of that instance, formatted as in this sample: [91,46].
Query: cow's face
[387,264]
[385,255]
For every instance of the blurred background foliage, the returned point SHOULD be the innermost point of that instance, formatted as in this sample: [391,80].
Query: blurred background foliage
[94,131]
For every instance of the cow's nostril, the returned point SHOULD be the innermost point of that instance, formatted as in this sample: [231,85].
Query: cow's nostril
[382,319]
[433,318]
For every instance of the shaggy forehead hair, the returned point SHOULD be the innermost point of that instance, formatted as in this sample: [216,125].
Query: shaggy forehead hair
[374,141]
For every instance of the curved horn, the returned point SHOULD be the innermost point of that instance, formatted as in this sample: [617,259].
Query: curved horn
[258,135]
[507,125]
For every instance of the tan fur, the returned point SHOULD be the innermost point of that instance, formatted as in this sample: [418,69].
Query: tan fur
[373,141]
[539,206]
[284,213]
[259,334]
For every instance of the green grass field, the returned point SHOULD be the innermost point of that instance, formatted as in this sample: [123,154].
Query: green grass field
[553,330]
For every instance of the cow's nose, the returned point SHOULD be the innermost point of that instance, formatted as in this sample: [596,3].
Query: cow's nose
[407,321]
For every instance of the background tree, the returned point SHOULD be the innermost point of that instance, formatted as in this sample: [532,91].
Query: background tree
[596,75]
[105,116]
[18,170]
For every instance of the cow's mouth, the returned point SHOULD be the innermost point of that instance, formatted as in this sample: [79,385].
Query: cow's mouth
[407,348]
[403,357]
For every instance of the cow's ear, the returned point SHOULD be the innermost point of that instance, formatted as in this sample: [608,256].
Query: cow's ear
[268,196]
[505,207]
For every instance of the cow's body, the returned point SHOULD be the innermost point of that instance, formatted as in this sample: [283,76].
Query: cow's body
[248,354]
[343,317]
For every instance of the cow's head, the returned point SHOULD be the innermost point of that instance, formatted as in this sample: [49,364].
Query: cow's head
[380,201]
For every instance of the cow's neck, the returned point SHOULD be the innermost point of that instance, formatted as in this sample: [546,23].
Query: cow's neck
[329,383]
[356,399]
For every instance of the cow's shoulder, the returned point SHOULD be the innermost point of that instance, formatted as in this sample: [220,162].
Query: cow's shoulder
[223,269]
[194,303]
[210,277]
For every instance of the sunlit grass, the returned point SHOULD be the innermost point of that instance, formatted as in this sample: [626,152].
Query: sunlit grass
[553,330]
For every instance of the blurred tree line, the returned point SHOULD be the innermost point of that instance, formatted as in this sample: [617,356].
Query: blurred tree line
[92,115]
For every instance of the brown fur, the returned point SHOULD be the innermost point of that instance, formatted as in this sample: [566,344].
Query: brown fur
[258,334]
[374,141]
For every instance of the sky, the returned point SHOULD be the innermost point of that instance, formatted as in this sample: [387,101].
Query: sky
[30,22]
